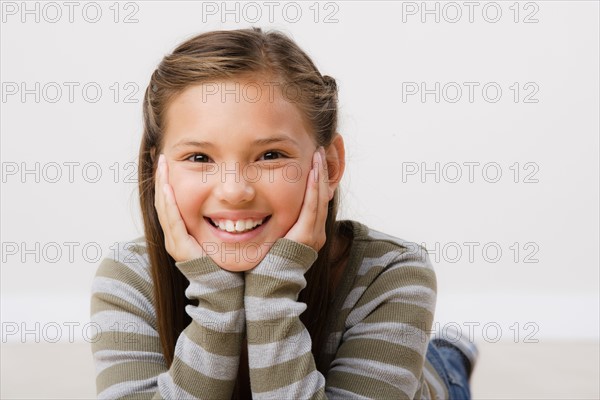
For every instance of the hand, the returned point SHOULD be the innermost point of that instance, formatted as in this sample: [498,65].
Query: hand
[309,229]
[179,243]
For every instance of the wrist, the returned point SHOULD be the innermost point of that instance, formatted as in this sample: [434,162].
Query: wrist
[285,253]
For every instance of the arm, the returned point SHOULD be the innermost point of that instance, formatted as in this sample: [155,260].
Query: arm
[127,350]
[281,364]
[279,345]
[383,348]
[385,338]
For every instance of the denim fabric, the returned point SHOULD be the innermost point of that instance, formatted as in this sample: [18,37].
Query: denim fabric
[452,366]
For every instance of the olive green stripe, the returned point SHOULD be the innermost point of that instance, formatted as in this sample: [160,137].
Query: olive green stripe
[383,352]
[363,385]
[319,394]
[409,314]
[198,384]
[273,330]
[223,301]
[287,373]
[140,246]
[215,342]
[197,267]
[127,371]
[102,301]
[293,251]
[139,396]
[268,286]
[378,249]
[397,278]
[125,341]
[370,275]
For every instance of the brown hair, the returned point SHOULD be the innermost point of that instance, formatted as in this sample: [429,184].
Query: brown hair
[220,55]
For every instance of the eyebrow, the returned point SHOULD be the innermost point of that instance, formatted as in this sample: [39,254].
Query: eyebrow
[258,142]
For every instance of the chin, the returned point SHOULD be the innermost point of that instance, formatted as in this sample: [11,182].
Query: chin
[235,267]
[239,257]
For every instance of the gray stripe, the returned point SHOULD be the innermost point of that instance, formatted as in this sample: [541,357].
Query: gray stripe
[392,332]
[128,388]
[293,272]
[212,365]
[425,391]
[341,394]
[260,309]
[107,358]
[213,282]
[394,375]
[124,291]
[370,262]
[225,321]
[353,297]
[119,321]
[267,355]
[422,294]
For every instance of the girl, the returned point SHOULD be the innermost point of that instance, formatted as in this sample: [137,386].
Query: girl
[245,285]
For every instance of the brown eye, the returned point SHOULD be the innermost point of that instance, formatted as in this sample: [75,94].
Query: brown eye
[272,155]
[199,158]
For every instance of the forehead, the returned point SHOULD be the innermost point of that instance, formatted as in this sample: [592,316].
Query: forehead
[246,105]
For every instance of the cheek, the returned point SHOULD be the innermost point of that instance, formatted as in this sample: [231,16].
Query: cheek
[288,195]
[189,196]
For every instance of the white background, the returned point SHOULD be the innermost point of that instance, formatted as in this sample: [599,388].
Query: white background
[375,51]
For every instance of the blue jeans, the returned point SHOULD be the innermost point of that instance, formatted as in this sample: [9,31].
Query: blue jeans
[451,365]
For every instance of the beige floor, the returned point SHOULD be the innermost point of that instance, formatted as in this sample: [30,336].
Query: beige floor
[556,370]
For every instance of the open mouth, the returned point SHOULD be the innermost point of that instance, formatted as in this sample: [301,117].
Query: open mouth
[239,226]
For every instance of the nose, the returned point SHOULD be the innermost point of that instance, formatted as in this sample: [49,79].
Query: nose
[233,187]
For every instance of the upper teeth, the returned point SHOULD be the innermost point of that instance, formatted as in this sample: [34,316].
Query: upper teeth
[237,226]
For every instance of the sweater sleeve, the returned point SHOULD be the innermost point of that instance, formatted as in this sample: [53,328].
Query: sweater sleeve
[279,346]
[127,351]
[383,346]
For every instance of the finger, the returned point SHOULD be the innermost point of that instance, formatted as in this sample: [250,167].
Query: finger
[175,225]
[158,190]
[178,243]
[172,217]
[161,193]
[312,194]
[308,212]
[160,199]
[323,192]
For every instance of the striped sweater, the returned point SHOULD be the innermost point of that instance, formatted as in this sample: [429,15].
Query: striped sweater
[378,329]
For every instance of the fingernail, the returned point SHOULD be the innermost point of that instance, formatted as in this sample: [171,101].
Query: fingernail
[323,156]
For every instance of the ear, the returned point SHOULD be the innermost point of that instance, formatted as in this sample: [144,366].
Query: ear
[335,155]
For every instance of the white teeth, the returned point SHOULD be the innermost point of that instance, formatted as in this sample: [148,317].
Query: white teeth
[240,226]
[237,226]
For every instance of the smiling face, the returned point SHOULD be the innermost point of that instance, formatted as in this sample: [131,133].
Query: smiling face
[238,168]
